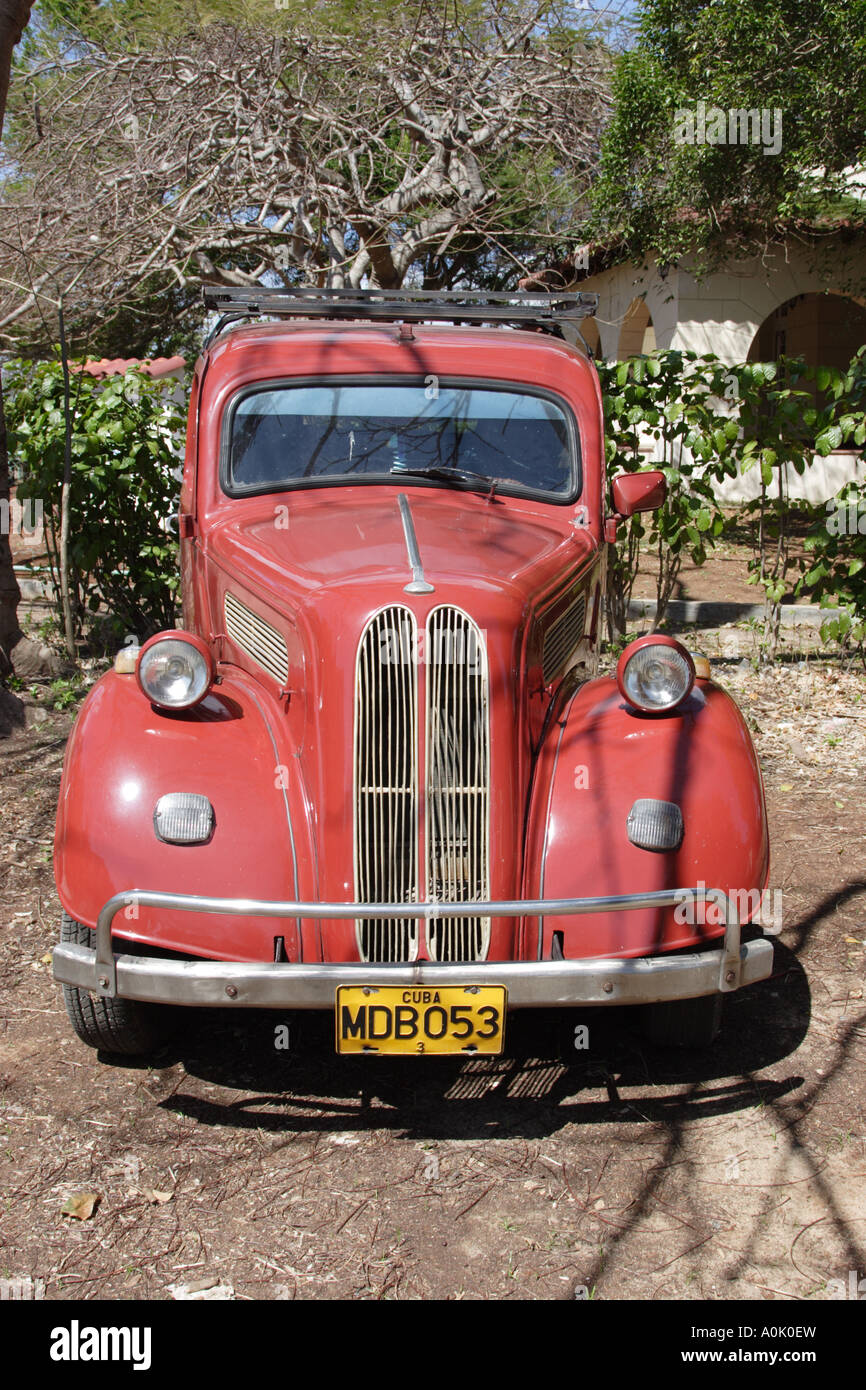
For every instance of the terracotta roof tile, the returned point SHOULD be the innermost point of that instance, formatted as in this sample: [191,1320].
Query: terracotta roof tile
[116,366]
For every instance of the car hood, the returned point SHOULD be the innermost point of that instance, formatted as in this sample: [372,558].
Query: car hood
[341,540]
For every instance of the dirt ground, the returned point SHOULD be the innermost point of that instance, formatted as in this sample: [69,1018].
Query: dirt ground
[228,1168]
[725,572]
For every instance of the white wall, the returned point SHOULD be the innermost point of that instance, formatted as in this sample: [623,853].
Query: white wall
[721,314]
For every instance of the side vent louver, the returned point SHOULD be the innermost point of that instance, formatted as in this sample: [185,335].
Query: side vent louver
[261,642]
[561,639]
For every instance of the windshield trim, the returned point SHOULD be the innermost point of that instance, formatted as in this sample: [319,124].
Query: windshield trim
[509,489]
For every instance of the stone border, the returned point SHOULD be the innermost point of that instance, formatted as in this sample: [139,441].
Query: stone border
[710,614]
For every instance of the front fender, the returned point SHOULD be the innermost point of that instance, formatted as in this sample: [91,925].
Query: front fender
[597,760]
[233,748]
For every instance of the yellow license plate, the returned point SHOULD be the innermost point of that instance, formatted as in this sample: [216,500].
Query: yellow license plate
[421,1020]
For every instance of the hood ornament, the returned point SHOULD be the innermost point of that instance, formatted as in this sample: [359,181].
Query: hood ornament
[418,584]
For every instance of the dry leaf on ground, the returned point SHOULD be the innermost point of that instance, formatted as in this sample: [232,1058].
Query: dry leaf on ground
[80,1205]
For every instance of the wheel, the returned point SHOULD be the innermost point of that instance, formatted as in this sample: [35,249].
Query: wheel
[684,1022]
[123,1026]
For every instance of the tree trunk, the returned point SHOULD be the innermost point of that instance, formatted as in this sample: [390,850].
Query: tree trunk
[14,16]
[10,633]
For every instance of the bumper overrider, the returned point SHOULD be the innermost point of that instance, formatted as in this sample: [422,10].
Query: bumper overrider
[530,984]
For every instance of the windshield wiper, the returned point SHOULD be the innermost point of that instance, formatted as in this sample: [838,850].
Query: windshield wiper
[445,474]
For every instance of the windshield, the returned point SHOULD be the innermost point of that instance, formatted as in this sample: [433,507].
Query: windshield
[282,435]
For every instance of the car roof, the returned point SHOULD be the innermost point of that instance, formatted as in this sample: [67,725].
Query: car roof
[235,337]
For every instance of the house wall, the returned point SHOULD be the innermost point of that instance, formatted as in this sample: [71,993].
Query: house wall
[722,312]
[737,313]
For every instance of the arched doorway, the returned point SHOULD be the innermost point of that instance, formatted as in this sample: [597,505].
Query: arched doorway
[824,329]
[637,335]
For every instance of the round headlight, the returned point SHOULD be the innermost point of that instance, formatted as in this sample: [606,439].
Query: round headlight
[174,670]
[655,673]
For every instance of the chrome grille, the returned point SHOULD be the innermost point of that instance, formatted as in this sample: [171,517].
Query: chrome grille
[256,638]
[386,782]
[561,639]
[457,782]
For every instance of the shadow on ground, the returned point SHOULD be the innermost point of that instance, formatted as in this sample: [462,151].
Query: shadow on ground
[539,1085]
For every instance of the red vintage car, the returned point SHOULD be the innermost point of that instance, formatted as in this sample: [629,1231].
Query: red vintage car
[377,771]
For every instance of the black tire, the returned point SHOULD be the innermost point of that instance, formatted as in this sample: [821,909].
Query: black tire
[684,1022]
[122,1026]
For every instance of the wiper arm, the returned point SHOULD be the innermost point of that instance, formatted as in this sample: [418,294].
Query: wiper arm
[441,471]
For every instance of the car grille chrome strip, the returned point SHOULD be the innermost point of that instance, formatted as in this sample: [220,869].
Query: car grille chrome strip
[386,782]
[256,638]
[457,783]
[561,639]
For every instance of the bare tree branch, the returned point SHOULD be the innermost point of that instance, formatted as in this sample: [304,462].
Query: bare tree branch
[233,154]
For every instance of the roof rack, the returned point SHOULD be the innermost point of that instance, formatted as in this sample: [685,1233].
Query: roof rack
[538,310]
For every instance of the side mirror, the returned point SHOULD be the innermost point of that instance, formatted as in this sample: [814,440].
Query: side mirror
[638,492]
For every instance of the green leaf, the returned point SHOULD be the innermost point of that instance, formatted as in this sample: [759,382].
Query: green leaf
[817,573]
[828,440]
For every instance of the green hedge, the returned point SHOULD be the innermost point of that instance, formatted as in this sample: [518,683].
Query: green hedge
[127,441]
[714,421]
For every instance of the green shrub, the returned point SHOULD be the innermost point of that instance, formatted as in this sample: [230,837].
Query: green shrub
[669,397]
[714,421]
[126,439]
[834,568]
[779,423]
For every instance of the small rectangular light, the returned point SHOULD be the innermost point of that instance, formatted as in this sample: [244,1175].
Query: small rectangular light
[655,825]
[183,818]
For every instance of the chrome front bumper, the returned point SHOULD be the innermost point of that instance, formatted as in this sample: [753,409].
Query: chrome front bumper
[530,984]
